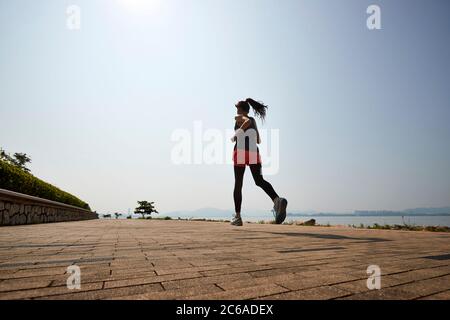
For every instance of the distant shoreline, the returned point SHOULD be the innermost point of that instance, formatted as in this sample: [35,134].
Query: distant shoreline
[313,223]
[419,216]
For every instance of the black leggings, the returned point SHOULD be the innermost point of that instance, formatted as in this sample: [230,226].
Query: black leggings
[259,180]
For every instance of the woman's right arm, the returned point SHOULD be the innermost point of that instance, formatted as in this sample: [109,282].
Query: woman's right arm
[258,138]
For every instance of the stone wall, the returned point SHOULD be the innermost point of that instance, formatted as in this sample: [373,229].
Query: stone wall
[17,209]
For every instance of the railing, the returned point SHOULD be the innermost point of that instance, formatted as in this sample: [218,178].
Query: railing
[17,208]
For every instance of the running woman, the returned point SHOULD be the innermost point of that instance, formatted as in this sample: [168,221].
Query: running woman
[246,153]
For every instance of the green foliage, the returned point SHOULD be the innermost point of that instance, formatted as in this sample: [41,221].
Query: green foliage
[18,160]
[16,179]
[437,229]
[162,218]
[404,227]
[145,208]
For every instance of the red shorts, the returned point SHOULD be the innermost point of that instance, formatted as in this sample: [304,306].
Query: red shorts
[241,158]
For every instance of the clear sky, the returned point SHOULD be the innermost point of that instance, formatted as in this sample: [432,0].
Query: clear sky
[363,115]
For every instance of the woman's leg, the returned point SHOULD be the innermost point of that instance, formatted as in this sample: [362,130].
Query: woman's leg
[237,194]
[260,182]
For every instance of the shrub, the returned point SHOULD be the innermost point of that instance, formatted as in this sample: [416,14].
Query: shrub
[14,179]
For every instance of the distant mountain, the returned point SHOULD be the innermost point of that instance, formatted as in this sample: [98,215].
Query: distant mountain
[443,210]
[407,212]
[200,213]
[214,213]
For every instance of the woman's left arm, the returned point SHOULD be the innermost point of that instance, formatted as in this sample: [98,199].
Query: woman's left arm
[258,138]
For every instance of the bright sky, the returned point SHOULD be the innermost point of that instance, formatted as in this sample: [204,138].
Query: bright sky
[363,115]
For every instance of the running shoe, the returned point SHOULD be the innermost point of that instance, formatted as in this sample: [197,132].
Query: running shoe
[237,221]
[280,205]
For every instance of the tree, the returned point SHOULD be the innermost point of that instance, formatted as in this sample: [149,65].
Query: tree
[19,160]
[4,156]
[117,215]
[145,208]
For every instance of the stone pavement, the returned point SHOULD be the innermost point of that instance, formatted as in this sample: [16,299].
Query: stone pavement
[150,259]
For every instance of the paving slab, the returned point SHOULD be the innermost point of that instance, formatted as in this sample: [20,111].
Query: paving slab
[158,259]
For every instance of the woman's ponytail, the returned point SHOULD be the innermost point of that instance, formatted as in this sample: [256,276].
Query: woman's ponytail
[258,107]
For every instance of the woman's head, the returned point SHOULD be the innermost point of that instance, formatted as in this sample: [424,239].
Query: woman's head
[243,107]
